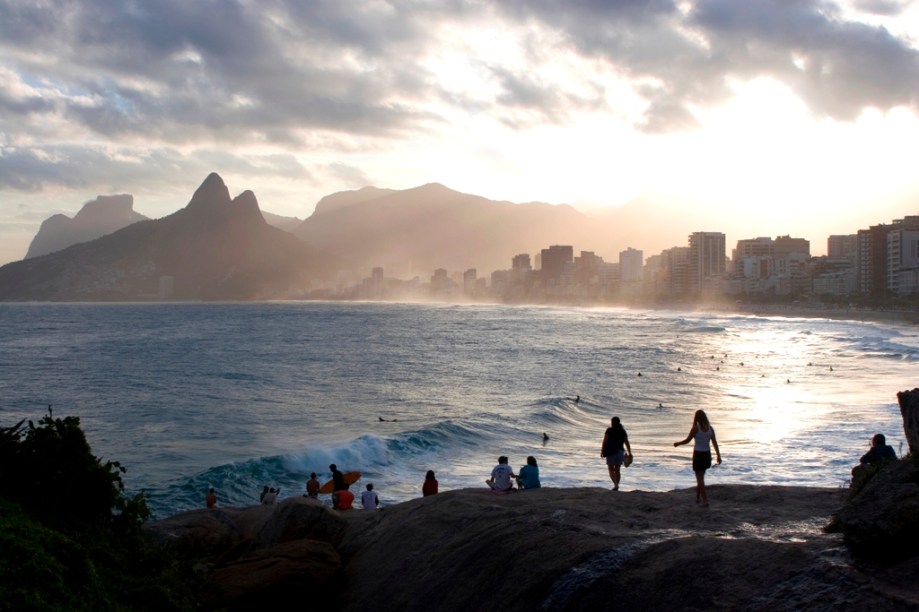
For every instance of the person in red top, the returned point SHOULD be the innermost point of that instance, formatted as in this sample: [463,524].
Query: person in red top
[342,500]
[430,484]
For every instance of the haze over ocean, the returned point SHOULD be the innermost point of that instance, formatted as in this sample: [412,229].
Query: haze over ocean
[234,396]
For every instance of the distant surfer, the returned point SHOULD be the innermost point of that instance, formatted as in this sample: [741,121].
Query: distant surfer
[577,400]
[545,437]
[660,406]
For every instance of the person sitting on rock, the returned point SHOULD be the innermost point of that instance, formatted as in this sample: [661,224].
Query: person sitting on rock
[271,496]
[430,484]
[880,451]
[369,498]
[342,500]
[528,476]
[501,477]
[312,486]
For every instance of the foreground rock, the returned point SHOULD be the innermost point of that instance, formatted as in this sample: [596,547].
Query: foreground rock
[755,548]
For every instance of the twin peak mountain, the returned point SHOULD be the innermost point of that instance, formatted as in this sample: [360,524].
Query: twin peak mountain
[222,248]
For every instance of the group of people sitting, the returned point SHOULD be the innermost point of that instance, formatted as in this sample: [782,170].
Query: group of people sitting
[503,477]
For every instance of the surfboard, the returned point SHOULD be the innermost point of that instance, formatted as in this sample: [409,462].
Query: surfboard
[350,478]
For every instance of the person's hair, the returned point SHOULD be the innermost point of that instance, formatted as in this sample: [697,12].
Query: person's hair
[370,486]
[878,439]
[617,425]
[702,419]
[531,460]
[502,459]
[333,467]
[615,421]
[265,488]
[312,474]
[212,490]
[429,475]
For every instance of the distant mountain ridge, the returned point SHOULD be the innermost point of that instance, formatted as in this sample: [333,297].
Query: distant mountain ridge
[104,215]
[417,230]
[216,248]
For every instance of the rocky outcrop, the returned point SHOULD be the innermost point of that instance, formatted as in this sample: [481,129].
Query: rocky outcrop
[755,548]
[881,520]
[257,554]
[104,215]
[909,408]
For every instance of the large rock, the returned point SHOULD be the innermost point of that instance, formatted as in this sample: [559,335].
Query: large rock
[226,534]
[755,548]
[909,408]
[882,519]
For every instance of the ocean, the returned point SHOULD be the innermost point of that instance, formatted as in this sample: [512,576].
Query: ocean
[239,395]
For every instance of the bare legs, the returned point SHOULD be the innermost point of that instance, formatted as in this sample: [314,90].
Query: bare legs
[615,475]
[701,497]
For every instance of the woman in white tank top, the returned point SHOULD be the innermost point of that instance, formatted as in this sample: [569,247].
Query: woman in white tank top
[703,435]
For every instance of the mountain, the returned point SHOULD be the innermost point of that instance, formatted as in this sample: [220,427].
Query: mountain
[414,231]
[216,248]
[288,224]
[99,217]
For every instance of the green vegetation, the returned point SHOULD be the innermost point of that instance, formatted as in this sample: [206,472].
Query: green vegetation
[69,537]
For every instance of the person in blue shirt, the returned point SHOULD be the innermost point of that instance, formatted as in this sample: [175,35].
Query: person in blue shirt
[528,476]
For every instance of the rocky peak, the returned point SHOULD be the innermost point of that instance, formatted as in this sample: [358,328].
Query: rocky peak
[210,196]
[245,206]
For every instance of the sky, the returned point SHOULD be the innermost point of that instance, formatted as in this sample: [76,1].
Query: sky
[795,117]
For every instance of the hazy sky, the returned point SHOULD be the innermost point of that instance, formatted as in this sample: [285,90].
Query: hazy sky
[779,116]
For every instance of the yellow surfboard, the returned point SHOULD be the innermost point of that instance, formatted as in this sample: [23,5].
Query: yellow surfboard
[350,478]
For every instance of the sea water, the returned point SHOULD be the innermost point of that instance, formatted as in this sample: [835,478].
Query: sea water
[236,396]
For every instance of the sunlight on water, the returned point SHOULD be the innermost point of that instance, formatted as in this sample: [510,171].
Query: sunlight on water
[189,396]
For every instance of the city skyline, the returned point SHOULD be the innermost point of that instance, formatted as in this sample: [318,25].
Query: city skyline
[793,116]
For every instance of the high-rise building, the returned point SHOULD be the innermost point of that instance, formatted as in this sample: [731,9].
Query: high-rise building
[554,261]
[903,261]
[871,257]
[706,262]
[631,262]
[842,246]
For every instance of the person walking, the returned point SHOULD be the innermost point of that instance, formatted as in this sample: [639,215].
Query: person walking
[615,443]
[703,434]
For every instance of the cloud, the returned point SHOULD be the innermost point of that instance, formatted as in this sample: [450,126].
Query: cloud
[190,84]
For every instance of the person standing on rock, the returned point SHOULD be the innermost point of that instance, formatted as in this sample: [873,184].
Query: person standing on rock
[704,434]
[338,478]
[211,499]
[615,443]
